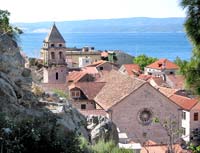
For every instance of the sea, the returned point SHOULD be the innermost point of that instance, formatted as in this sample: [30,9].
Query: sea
[159,45]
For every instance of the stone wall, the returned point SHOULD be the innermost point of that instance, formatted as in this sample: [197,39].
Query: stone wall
[126,115]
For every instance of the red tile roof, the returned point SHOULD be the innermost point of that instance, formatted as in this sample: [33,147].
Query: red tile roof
[130,68]
[98,63]
[196,107]
[158,81]
[90,89]
[161,148]
[90,70]
[75,76]
[144,77]
[184,102]
[163,63]
[167,91]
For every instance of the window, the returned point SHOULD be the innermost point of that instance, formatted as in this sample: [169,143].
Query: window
[60,45]
[196,116]
[101,68]
[60,55]
[52,45]
[183,131]
[83,106]
[52,55]
[183,115]
[56,75]
[171,73]
[75,94]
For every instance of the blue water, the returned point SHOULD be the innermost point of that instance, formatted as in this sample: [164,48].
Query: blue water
[160,45]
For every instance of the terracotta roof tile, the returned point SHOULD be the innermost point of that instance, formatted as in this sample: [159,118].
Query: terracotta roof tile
[90,89]
[144,77]
[75,76]
[184,102]
[159,81]
[163,63]
[177,80]
[130,68]
[100,62]
[116,88]
[196,107]
[159,148]
[90,70]
[167,91]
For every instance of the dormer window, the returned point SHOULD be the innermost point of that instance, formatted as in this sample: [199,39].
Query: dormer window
[75,94]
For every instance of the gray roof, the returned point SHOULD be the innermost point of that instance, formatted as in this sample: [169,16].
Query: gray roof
[54,36]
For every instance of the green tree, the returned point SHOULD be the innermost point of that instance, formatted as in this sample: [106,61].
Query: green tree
[183,65]
[143,60]
[5,27]
[192,27]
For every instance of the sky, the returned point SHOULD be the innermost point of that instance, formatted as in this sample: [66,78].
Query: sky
[67,10]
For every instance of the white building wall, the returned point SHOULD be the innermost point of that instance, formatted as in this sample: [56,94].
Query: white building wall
[186,124]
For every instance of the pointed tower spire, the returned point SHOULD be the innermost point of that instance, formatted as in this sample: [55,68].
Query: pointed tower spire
[54,35]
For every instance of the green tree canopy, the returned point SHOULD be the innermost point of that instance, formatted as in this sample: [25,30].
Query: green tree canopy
[192,27]
[5,27]
[143,60]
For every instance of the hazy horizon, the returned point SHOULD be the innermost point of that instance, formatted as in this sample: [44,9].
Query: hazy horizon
[71,10]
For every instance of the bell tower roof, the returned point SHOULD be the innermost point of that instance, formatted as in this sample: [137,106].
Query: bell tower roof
[54,36]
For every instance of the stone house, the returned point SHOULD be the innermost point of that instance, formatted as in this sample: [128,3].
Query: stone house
[132,104]
[161,67]
[81,57]
[190,124]
[83,94]
[190,113]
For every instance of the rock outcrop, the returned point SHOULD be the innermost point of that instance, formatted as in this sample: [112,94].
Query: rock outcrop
[101,128]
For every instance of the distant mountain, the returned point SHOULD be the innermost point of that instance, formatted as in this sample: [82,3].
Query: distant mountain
[109,25]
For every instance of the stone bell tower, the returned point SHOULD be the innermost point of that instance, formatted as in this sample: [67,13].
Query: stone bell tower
[53,55]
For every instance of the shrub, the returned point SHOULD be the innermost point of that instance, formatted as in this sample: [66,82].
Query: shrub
[61,93]
[35,135]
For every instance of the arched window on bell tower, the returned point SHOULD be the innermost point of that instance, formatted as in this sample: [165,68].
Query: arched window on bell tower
[52,55]
[60,55]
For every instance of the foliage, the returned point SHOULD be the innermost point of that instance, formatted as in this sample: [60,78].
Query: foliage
[35,135]
[108,147]
[61,93]
[195,149]
[35,62]
[192,26]
[183,65]
[143,60]
[5,27]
